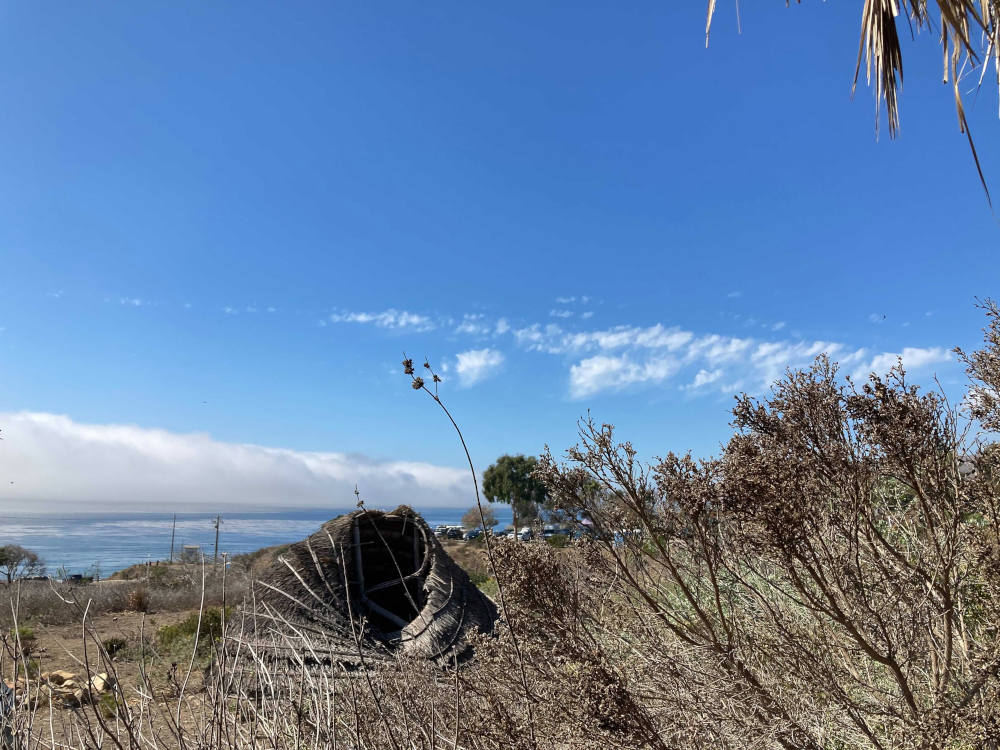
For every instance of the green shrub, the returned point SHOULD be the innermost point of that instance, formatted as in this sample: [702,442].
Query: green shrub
[107,704]
[24,633]
[489,587]
[558,540]
[180,638]
[478,577]
[114,645]
[32,666]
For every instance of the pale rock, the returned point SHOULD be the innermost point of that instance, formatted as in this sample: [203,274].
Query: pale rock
[101,682]
[59,677]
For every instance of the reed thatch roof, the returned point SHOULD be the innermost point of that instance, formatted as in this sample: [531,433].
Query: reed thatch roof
[380,582]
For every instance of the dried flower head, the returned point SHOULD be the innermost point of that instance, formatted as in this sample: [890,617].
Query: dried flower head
[418,383]
[436,378]
[408,366]
[427,365]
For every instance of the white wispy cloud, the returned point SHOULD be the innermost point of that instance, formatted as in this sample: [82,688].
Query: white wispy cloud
[913,357]
[391,319]
[553,339]
[630,356]
[705,377]
[770,359]
[131,301]
[715,349]
[476,365]
[624,357]
[602,372]
[474,324]
[53,461]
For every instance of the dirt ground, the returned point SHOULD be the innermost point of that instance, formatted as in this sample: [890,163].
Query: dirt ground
[63,647]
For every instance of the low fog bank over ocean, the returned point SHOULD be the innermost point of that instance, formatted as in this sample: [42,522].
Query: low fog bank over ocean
[112,541]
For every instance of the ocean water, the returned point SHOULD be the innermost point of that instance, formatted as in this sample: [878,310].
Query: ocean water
[83,542]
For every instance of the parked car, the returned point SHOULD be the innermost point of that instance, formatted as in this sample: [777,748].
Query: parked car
[441,530]
[473,534]
[454,532]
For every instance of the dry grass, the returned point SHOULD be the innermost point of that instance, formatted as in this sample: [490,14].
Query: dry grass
[45,602]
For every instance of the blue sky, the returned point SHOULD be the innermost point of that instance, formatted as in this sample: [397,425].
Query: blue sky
[233,219]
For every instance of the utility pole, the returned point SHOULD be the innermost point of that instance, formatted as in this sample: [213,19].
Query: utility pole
[172,532]
[218,522]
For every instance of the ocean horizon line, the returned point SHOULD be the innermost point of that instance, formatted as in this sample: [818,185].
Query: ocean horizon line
[87,541]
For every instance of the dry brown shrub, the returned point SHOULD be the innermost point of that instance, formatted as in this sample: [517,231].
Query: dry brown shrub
[138,600]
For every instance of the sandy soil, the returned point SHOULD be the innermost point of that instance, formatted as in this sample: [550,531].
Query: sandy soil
[62,647]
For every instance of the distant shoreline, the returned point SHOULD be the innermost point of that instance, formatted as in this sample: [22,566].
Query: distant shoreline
[114,541]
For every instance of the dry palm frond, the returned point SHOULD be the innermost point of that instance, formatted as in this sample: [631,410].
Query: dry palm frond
[969,37]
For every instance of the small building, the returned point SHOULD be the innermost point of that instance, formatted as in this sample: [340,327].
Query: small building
[191,553]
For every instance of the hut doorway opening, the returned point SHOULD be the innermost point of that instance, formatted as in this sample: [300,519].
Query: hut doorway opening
[391,555]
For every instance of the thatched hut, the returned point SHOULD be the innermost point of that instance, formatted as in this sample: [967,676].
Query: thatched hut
[378,583]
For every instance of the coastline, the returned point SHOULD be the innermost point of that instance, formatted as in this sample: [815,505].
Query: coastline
[77,542]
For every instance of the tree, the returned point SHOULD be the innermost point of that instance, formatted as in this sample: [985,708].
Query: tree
[471,519]
[17,562]
[510,480]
